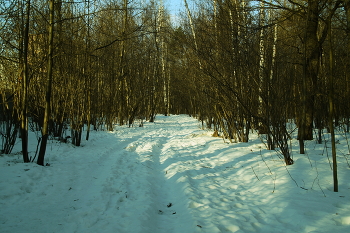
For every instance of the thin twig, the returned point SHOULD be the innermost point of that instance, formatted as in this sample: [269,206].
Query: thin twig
[291,175]
[255,173]
[265,162]
[274,180]
[325,146]
[308,158]
[316,176]
[318,181]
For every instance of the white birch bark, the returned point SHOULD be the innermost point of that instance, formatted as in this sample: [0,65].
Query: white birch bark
[261,53]
[275,33]
[162,54]
[189,15]
[274,50]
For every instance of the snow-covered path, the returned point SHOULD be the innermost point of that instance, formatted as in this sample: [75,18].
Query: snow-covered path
[114,183]
[171,177]
[168,211]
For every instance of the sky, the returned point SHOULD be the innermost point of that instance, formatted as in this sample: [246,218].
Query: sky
[174,6]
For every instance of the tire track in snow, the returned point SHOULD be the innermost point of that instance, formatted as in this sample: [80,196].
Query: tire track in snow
[169,209]
[71,211]
[98,178]
[108,180]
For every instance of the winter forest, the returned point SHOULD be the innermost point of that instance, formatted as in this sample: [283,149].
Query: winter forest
[235,65]
[241,68]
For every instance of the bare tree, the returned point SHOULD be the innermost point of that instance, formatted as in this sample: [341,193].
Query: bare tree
[45,128]
[25,79]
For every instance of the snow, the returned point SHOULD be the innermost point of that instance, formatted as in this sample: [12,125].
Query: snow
[171,176]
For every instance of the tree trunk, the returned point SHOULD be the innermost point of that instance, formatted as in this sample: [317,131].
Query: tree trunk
[88,75]
[347,11]
[331,109]
[261,109]
[311,64]
[313,43]
[44,131]
[192,30]
[24,118]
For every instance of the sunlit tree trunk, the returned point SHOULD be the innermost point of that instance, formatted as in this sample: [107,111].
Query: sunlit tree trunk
[122,73]
[45,131]
[189,15]
[270,141]
[261,55]
[262,82]
[163,51]
[24,118]
[88,82]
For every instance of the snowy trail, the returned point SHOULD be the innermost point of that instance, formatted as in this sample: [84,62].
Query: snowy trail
[119,187]
[169,212]
[171,177]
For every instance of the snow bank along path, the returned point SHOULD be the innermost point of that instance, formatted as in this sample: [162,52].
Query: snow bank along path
[170,176]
